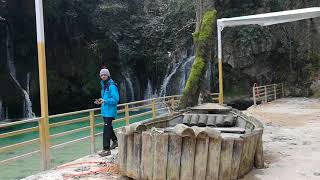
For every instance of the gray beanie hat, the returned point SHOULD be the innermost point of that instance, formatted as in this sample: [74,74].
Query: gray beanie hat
[105,72]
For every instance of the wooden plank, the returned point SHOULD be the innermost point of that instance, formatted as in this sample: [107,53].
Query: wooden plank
[187,158]
[258,157]
[202,120]
[226,159]
[236,157]
[186,119]
[212,107]
[122,140]
[174,157]
[147,156]
[130,161]
[231,130]
[137,155]
[211,121]
[229,121]
[219,120]
[201,158]
[194,120]
[160,156]
[213,158]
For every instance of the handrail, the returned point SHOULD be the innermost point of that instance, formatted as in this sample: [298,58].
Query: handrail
[264,92]
[22,131]
[20,122]
[69,132]
[17,145]
[153,106]
[69,122]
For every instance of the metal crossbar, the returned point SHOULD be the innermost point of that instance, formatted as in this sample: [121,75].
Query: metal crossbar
[267,93]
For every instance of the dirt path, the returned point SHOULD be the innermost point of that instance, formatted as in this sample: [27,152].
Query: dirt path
[291,139]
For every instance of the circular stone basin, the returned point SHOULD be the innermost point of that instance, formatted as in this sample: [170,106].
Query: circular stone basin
[192,145]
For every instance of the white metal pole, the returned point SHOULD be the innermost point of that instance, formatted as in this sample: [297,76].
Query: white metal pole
[44,121]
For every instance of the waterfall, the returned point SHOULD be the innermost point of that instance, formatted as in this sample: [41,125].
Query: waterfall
[7,113]
[27,105]
[177,77]
[129,85]
[28,83]
[186,67]
[148,94]
[166,81]
[209,75]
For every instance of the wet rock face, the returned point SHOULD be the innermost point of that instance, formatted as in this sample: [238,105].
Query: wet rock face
[274,53]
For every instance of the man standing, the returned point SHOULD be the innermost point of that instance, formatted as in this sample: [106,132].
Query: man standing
[108,101]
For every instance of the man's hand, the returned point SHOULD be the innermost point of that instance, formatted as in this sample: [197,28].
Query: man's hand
[99,101]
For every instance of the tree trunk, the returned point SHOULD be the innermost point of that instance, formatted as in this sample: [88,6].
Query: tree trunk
[203,39]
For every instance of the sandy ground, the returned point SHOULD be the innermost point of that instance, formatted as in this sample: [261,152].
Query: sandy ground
[291,139]
[291,144]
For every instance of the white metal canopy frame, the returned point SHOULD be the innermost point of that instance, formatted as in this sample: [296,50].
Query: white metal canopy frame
[266,19]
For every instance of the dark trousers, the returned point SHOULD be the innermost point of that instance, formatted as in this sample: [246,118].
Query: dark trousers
[108,133]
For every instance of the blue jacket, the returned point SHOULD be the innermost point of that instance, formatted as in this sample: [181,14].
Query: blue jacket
[110,95]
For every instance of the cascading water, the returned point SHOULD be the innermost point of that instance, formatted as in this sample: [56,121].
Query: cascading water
[27,105]
[179,73]
[185,71]
[129,85]
[166,81]
[148,92]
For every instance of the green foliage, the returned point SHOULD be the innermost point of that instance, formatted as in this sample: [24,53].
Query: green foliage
[248,35]
[203,39]
[194,81]
[83,35]
[207,25]
[312,67]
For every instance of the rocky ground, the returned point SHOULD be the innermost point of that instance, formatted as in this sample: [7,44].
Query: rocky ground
[291,145]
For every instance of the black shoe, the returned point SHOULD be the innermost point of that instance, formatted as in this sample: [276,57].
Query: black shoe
[104,153]
[114,145]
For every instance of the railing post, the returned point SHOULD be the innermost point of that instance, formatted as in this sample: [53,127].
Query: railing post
[254,95]
[282,90]
[126,109]
[154,113]
[92,132]
[172,102]
[275,91]
[44,136]
[265,94]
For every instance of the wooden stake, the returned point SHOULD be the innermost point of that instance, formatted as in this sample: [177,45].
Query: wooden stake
[147,156]
[160,156]
[236,157]
[122,140]
[213,162]
[174,157]
[187,158]
[226,159]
